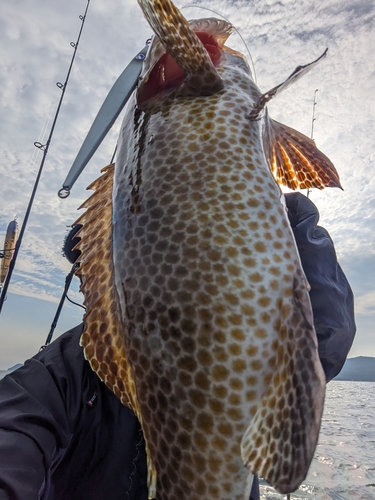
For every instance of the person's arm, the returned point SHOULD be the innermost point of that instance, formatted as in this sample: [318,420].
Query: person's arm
[38,406]
[331,296]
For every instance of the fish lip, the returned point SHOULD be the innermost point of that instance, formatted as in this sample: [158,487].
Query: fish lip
[219,29]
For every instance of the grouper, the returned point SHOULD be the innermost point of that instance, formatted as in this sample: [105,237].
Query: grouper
[198,314]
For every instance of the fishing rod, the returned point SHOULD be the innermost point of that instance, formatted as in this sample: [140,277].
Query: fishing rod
[313,115]
[312,128]
[44,148]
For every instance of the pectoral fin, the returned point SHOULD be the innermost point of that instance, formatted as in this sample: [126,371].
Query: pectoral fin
[294,159]
[296,75]
[281,438]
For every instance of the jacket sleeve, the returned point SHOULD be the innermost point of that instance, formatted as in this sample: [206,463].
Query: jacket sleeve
[331,296]
[39,403]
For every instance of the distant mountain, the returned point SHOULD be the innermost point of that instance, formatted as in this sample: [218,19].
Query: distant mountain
[361,369]
[18,365]
[6,372]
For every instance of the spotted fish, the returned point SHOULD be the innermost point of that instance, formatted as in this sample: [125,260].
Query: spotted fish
[198,314]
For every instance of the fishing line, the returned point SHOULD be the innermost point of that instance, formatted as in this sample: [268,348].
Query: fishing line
[47,121]
[75,303]
[41,137]
[192,5]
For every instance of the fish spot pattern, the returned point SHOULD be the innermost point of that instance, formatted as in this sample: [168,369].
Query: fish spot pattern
[213,317]
[222,264]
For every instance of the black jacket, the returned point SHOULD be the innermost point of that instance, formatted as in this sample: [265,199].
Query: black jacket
[65,436]
[331,296]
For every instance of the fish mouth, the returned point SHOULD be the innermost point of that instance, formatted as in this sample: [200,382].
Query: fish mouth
[165,74]
[162,74]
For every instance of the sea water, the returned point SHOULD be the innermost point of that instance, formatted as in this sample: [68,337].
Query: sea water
[343,467]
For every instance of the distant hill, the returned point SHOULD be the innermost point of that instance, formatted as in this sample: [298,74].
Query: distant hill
[361,369]
[5,372]
[12,368]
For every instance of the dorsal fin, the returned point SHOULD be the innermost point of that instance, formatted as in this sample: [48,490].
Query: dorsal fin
[102,338]
[294,159]
[181,42]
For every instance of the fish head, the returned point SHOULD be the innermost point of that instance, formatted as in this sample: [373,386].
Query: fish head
[161,74]
[192,60]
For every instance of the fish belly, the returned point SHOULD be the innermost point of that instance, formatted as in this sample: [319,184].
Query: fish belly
[206,270]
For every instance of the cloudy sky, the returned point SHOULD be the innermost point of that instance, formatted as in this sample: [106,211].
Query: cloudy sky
[35,53]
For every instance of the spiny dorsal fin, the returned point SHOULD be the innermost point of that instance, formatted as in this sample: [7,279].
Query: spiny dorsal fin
[296,75]
[102,338]
[280,441]
[182,44]
[294,159]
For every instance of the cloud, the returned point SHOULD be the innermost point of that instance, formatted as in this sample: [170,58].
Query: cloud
[35,53]
[365,304]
